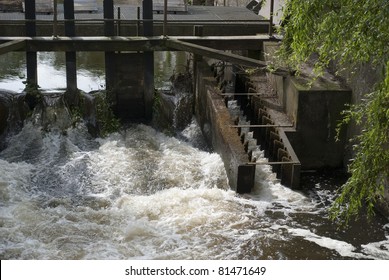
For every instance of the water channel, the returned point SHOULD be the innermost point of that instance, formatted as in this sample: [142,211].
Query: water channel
[140,194]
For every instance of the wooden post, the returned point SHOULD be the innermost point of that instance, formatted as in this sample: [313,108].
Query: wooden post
[148,60]
[71,67]
[31,57]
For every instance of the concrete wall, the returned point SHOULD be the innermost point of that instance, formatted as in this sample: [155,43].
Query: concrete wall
[215,120]
[316,114]
[315,107]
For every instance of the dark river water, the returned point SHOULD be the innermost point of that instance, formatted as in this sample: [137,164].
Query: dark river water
[140,194]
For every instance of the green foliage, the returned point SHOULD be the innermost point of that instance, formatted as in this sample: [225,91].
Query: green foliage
[349,32]
[105,118]
[370,168]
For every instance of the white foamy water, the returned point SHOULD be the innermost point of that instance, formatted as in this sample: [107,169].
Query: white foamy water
[140,194]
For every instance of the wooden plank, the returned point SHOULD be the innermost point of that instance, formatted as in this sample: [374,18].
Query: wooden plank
[12,46]
[221,55]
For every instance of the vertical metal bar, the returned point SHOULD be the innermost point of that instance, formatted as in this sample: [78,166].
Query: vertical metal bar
[271,18]
[164,18]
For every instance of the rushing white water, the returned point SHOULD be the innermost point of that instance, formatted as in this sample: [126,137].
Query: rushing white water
[141,194]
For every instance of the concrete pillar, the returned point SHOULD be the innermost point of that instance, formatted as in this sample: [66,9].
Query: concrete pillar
[109,30]
[109,25]
[31,57]
[71,67]
[148,59]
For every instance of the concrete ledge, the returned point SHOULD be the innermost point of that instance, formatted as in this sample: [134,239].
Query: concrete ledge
[215,122]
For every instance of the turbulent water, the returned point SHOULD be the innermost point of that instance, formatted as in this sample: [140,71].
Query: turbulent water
[139,194]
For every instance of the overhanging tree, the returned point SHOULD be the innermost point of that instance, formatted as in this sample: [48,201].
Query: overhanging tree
[349,32]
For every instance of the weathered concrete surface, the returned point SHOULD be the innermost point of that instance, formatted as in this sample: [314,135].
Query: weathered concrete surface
[125,84]
[315,107]
[215,120]
[316,113]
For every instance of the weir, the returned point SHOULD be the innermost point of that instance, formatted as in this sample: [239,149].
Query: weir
[129,63]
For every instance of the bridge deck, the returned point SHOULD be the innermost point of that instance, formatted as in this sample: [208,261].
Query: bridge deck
[216,21]
[129,12]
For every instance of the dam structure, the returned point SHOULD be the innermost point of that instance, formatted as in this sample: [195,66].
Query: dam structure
[232,172]
[295,125]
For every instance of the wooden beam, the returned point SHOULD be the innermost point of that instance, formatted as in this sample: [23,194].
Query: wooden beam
[12,46]
[111,44]
[221,55]
[121,43]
